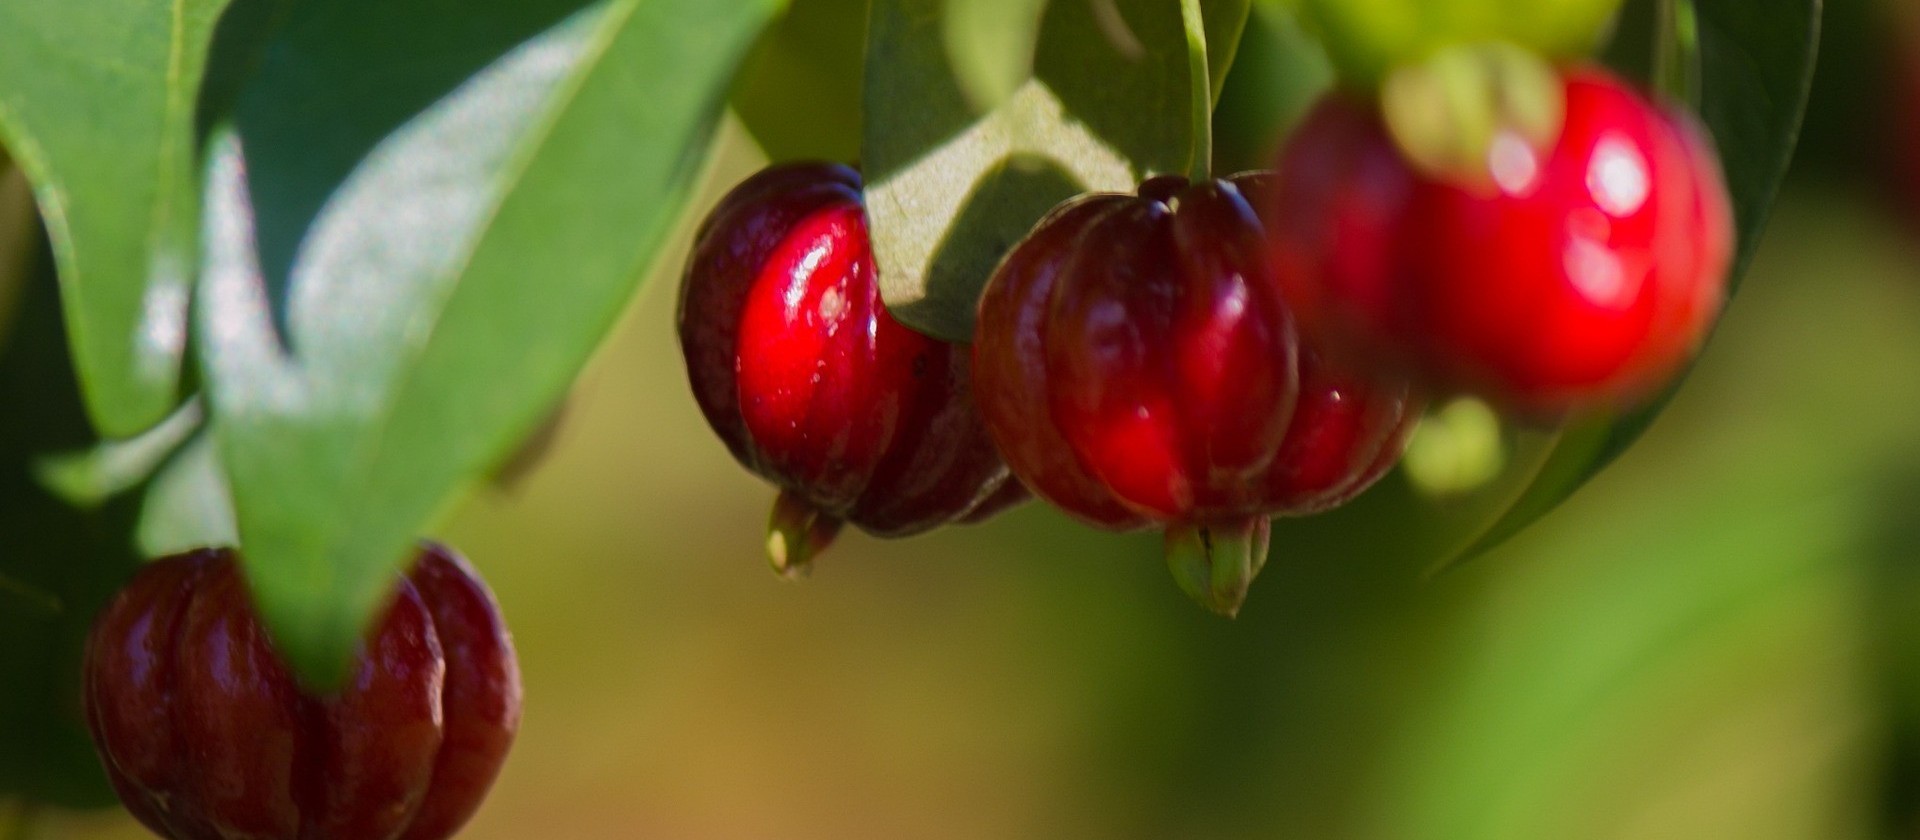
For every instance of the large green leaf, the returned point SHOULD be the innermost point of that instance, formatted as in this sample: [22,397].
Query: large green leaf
[1756,70]
[952,187]
[418,228]
[799,91]
[97,102]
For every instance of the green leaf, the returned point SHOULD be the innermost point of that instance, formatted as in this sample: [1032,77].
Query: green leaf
[1756,70]
[89,477]
[97,103]
[951,189]
[417,230]
[991,44]
[799,90]
[58,564]
[1278,74]
[187,504]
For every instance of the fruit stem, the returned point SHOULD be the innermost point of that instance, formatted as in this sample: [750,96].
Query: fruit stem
[1675,51]
[1214,564]
[29,596]
[797,532]
[1201,167]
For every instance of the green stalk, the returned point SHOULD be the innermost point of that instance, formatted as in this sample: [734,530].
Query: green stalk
[1201,167]
[1676,51]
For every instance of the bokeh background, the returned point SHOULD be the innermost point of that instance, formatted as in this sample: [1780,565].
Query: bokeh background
[1719,638]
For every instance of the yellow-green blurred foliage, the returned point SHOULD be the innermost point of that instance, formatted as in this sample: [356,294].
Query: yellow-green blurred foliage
[1714,640]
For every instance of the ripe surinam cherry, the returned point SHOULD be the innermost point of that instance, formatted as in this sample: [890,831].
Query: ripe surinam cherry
[1137,365]
[1576,276]
[813,385]
[207,736]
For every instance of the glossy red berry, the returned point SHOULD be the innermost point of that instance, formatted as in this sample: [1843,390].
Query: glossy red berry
[813,385]
[1585,274]
[207,736]
[1137,365]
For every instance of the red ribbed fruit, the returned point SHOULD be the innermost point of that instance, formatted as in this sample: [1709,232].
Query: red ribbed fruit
[1578,276]
[813,385]
[207,736]
[1137,365]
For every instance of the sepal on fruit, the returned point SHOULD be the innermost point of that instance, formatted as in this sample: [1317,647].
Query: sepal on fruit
[796,533]
[1458,115]
[1216,564]
[1456,450]
[1367,39]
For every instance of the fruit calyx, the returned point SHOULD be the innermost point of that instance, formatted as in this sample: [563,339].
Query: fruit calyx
[797,532]
[1472,114]
[1215,564]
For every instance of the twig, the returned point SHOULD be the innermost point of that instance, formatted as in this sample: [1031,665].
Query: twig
[1201,167]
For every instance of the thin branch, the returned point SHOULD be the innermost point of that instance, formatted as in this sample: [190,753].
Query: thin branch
[1201,167]
[1676,48]
[32,597]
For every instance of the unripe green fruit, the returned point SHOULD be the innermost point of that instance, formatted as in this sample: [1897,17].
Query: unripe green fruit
[1368,38]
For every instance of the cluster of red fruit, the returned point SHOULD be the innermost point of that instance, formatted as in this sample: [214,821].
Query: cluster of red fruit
[1199,357]
[1205,356]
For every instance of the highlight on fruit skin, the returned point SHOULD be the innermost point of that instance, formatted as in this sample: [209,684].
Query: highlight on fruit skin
[206,735]
[1138,366]
[812,385]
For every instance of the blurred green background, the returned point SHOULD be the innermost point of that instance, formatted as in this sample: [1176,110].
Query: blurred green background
[1719,638]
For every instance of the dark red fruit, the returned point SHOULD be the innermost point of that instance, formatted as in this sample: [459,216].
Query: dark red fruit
[1137,364]
[206,736]
[1583,275]
[813,385]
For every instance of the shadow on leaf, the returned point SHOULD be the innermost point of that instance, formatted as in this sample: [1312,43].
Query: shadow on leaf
[995,216]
